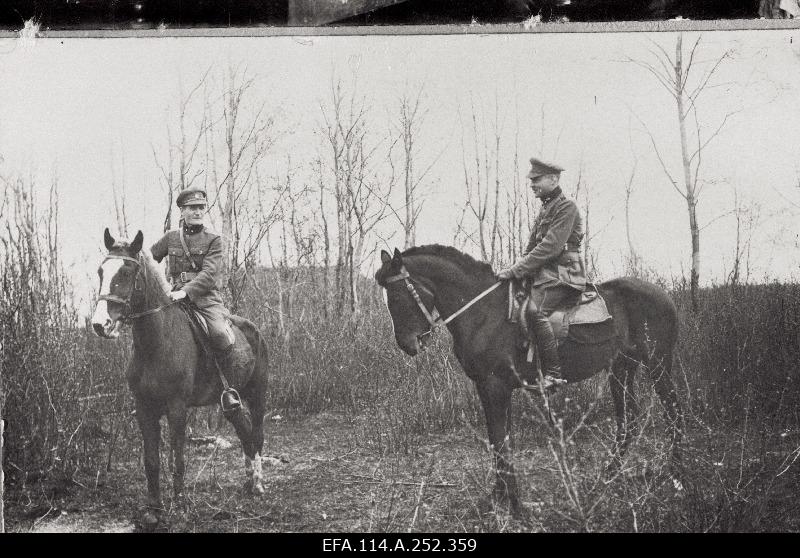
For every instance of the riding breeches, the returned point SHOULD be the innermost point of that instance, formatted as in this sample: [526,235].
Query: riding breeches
[220,333]
[548,298]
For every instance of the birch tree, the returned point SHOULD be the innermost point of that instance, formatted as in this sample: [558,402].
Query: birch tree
[673,74]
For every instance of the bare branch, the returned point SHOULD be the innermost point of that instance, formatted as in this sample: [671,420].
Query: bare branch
[660,158]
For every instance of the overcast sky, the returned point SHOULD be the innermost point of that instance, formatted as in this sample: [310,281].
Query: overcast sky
[73,107]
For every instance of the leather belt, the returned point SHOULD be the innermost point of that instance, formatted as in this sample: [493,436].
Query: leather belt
[183,277]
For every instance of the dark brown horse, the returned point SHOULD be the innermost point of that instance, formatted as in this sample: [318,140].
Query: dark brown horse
[169,371]
[485,343]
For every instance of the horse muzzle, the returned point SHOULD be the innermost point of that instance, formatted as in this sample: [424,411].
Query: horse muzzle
[413,344]
[107,330]
[103,324]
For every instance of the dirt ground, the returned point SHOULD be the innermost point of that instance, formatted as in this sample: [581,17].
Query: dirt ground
[317,478]
[320,475]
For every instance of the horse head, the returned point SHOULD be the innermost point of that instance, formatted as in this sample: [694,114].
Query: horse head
[410,302]
[117,274]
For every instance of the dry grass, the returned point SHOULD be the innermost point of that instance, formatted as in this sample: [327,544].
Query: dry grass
[377,441]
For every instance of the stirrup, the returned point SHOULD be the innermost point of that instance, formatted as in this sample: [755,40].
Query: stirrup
[236,404]
[551,383]
[548,385]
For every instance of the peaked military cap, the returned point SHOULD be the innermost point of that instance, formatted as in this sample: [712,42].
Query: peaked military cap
[191,196]
[540,168]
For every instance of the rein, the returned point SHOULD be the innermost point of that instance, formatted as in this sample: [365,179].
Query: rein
[126,301]
[434,322]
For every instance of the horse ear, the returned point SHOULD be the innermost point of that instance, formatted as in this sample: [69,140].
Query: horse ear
[385,257]
[108,239]
[136,245]
[398,258]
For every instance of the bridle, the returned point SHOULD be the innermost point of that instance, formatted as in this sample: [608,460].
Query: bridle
[126,300]
[438,321]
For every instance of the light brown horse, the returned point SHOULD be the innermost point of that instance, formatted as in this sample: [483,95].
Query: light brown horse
[425,278]
[169,371]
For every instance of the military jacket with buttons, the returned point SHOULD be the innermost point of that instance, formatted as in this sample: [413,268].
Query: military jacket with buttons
[552,256]
[202,282]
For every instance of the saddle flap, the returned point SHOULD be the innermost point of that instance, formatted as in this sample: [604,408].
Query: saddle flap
[591,310]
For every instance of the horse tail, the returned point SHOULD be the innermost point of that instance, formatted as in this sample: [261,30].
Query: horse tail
[262,355]
[653,319]
[652,315]
[257,344]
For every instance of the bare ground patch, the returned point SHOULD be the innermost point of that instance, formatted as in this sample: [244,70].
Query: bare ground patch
[323,475]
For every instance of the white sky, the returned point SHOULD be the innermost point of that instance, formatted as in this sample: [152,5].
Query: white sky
[74,106]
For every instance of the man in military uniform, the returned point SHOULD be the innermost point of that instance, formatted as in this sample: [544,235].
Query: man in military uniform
[195,270]
[552,262]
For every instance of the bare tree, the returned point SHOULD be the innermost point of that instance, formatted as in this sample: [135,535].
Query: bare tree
[482,185]
[361,196]
[515,204]
[673,74]
[178,172]
[119,197]
[633,256]
[409,123]
[748,217]
[247,140]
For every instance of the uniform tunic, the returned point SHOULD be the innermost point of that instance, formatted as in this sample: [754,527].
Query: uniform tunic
[552,258]
[202,283]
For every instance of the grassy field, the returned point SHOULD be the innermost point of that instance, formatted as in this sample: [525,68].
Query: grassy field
[364,438]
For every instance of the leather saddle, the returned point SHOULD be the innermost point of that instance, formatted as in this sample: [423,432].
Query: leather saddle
[200,327]
[589,308]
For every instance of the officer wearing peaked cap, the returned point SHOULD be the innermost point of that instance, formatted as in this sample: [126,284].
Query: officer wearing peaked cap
[196,272]
[552,261]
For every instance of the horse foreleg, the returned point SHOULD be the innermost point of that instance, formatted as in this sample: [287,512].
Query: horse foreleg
[176,415]
[150,427]
[495,398]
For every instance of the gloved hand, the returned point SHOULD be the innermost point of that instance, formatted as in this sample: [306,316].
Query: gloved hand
[175,296]
[505,274]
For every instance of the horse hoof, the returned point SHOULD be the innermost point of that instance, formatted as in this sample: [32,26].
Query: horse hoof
[257,489]
[149,521]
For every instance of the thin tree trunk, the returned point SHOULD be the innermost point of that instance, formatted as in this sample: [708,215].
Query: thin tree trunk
[691,200]
[410,225]
[326,261]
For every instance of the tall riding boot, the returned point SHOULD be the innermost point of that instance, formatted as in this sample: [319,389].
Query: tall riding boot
[230,398]
[548,351]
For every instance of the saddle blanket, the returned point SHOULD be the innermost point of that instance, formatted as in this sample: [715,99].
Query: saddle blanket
[590,310]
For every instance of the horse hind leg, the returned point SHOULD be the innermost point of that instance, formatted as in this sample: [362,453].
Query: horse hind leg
[626,410]
[661,373]
[257,443]
[248,426]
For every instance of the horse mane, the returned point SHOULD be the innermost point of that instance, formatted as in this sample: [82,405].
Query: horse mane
[464,261]
[153,271]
